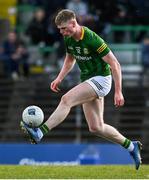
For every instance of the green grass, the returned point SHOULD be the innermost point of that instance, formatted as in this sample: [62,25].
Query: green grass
[76,172]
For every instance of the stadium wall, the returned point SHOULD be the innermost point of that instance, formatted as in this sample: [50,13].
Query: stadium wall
[63,154]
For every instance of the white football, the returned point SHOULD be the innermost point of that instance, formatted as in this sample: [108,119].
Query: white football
[33,116]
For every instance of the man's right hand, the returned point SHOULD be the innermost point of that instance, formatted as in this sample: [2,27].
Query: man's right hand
[55,84]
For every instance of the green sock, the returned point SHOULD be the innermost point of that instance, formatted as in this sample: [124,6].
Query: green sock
[126,143]
[44,128]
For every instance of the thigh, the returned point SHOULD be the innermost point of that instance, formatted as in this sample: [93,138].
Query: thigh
[80,94]
[93,112]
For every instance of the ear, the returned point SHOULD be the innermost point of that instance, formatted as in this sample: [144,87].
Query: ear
[73,23]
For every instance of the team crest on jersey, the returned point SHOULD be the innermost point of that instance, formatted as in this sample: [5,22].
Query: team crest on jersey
[85,50]
[78,49]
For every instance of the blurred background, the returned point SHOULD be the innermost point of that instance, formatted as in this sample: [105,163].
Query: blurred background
[31,55]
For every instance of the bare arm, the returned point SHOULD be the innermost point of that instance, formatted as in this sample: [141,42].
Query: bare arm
[69,62]
[117,76]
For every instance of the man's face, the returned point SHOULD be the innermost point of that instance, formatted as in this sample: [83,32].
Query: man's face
[67,29]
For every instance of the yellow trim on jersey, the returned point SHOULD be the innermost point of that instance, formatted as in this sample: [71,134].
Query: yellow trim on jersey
[102,48]
[82,33]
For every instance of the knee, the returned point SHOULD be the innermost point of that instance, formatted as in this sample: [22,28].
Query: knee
[97,129]
[66,100]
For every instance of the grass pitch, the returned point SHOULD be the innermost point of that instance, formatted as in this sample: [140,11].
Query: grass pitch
[73,172]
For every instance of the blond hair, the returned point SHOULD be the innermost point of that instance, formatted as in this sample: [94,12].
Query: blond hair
[63,16]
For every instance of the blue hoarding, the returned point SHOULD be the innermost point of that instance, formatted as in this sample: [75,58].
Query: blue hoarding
[72,154]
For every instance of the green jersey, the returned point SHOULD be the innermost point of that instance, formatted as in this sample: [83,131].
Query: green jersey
[88,52]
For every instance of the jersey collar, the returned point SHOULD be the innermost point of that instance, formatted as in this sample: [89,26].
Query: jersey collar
[82,33]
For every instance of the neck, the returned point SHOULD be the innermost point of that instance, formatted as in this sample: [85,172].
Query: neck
[78,33]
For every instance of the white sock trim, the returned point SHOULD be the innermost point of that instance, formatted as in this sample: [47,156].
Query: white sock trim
[131,147]
[40,133]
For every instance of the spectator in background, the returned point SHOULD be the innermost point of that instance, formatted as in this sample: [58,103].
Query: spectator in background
[105,11]
[14,55]
[144,58]
[120,18]
[80,8]
[141,16]
[41,34]
[82,11]
[37,29]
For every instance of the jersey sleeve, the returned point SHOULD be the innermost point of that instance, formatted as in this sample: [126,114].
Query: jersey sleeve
[98,45]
